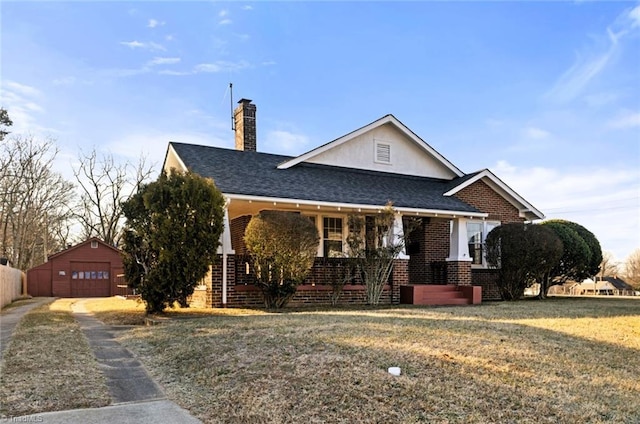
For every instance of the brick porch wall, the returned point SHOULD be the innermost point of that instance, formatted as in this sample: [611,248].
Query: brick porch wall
[431,244]
[459,273]
[486,278]
[316,290]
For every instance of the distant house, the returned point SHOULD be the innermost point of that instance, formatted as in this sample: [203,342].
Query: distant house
[613,286]
[88,269]
[357,173]
[606,286]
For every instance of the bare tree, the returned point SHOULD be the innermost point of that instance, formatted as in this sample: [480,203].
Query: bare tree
[608,266]
[33,201]
[632,269]
[104,185]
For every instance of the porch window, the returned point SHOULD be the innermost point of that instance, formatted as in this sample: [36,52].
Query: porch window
[476,236]
[332,237]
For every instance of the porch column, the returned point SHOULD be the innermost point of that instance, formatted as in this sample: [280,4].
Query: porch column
[225,249]
[458,246]
[459,261]
[398,236]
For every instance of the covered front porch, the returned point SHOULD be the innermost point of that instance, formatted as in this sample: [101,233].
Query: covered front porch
[436,254]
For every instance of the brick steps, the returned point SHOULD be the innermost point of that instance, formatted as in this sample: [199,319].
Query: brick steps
[434,294]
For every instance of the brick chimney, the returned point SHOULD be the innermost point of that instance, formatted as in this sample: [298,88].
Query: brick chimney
[245,123]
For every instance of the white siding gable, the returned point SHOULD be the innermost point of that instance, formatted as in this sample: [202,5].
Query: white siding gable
[384,148]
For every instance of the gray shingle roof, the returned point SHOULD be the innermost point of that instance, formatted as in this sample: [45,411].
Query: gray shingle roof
[256,174]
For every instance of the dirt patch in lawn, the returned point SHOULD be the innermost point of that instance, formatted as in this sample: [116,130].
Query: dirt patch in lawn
[557,361]
[49,365]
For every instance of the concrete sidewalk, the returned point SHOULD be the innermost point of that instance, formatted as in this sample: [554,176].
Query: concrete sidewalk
[156,412]
[10,317]
[137,399]
[126,377]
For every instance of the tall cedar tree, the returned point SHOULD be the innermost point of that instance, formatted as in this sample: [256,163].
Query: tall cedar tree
[283,246]
[171,237]
[522,254]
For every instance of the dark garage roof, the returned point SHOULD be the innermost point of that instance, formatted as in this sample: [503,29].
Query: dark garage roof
[256,174]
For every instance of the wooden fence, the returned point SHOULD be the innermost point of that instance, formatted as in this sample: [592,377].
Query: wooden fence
[10,284]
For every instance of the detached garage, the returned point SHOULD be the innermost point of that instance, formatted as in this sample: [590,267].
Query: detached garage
[88,269]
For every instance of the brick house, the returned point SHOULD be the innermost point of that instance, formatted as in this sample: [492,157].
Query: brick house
[357,173]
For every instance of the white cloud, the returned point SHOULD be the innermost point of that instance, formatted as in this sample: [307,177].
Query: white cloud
[221,66]
[535,133]
[153,144]
[163,61]
[175,73]
[225,22]
[155,23]
[625,120]
[634,15]
[605,200]
[169,37]
[223,13]
[143,45]
[285,142]
[576,78]
[592,61]
[21,89]
[22,103]
[132,44]
[247,7]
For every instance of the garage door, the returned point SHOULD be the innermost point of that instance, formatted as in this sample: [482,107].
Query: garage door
[90,279]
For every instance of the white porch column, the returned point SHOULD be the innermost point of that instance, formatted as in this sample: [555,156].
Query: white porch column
[398,236]
[459,247]
[225,249]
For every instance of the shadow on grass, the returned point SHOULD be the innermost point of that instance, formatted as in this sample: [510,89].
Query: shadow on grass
[331,366]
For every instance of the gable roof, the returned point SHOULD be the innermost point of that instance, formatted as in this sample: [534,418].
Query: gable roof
[498,185]
[387,119]
[618,283]
[242,173]
[84,243]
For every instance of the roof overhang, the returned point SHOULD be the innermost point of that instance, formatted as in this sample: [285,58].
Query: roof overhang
[526,209]
[335,207]
[387,119]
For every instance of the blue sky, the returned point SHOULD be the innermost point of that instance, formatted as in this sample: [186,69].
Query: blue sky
[545,94]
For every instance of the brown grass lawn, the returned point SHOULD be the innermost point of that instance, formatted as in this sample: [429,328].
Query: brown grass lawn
[49,365]
[563,360]
[118,311]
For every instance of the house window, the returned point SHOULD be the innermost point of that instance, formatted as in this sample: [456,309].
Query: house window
[94,244]
[476,236]
[332,237]
[382,152]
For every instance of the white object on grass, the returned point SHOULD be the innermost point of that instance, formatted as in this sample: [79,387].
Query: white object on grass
[394,371]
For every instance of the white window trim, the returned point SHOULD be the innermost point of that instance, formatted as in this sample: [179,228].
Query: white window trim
[484,223]
[320,226]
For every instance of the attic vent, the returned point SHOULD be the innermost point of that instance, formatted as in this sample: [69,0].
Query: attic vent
[94,244]
[383,152]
